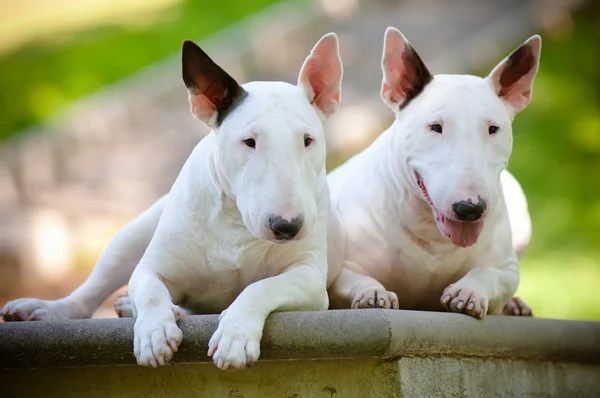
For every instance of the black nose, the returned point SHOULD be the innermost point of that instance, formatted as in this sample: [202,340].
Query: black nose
[466,210]
[283,229]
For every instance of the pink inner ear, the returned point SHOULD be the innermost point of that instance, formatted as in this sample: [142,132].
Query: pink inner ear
[398,80]
[513,78]
[517,67]
[206,97]
[319,74]
[405,75]
[213,90]
[202,107]
[322,72]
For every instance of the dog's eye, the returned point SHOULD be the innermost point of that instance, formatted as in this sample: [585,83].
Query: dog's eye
[250,142]
[307,140]
[436,127]
[493,129]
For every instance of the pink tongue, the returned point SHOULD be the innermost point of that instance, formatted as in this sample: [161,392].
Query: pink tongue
[462,234]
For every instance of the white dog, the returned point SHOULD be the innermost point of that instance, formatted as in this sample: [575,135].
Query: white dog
[243,229]
[422,209]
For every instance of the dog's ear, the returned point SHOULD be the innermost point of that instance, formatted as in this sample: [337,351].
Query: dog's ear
[213,93]
[321,75]
[404,73]
[512,79]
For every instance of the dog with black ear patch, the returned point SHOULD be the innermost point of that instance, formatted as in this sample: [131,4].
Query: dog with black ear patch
[243,230]
[430,217]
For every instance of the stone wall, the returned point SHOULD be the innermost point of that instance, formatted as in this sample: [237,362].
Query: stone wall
[352,353]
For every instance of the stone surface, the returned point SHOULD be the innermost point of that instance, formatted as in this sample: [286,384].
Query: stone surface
[314,335]
[336,378]
[477,377]
[352,353]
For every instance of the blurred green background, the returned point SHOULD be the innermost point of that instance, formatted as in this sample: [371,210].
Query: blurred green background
[556,153]
[556,158]
[98,42]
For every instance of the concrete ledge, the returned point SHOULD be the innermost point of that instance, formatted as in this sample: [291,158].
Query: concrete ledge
[383,334]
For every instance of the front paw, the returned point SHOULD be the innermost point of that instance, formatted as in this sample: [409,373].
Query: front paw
[465,300]
[236,342]
[517,307]
[157,337]
[374,297]
[32,309]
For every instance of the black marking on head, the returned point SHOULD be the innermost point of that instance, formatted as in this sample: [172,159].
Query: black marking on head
[202,76]
[417,75]
[236,101]
[518,64]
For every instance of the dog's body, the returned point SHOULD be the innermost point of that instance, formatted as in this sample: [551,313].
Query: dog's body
[243,229]
[445,154]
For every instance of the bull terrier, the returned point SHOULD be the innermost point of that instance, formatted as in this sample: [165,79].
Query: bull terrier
[242,231]
[423,210]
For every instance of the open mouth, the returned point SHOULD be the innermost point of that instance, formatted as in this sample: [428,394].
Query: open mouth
[462,234]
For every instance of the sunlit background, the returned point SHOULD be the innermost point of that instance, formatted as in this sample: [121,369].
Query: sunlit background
[95,125]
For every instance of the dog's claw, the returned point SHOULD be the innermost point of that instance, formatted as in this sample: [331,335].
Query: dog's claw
[374,297]
[455,297]
[517,307]
[236,342]
[155,337]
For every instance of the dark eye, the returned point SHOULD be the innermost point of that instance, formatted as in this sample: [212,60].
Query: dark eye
[250,142]
[493,129]
[307,140]
[436,127]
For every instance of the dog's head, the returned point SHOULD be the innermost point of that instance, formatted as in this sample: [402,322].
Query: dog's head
[270,151]
[454,131]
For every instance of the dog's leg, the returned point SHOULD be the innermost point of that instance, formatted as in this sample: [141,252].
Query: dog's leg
[236,342]
[156,335]
[124,307]
[482,290]
[353,290]
[113,269]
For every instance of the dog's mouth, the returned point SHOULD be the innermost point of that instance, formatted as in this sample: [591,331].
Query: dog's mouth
[462,234]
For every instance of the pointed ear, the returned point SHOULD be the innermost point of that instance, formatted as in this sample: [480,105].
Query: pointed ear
[213,93]
[404,73]
[513,78]
[321,75]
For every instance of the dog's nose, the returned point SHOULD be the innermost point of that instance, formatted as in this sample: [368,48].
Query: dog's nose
[283,229]
[466,210]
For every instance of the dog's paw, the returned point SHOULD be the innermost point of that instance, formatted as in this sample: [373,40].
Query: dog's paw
[517,307]
[157,337]
[374,297]
[236,342]
[32,309]
[123,306]
[466,300]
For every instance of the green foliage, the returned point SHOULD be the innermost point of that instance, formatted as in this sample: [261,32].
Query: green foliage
[41,77]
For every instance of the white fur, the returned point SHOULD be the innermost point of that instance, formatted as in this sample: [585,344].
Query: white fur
[393,253]
[212,250]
